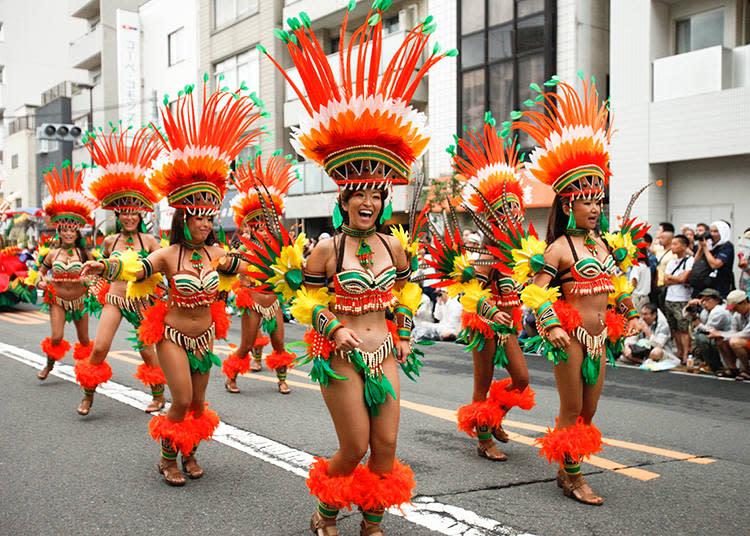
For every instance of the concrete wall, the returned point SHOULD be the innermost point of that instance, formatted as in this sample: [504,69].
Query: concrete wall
[23,144]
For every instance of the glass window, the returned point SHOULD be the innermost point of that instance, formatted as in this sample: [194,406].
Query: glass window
[243,67]
[472,16]
[228,11]
[176,46]
[700,31]
[530,69]
[390,25]
[531,33]
[473,104]
[14,161]
[501,42]
[501,90]
[313,179]
[472,50]
[298,187]
[500,11]
[527,7]
[2,74]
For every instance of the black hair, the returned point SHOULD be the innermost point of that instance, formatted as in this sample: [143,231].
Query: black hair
[80,245]
[682,238]
[648,238]
[703,225]
[667,227]
[557,221]
[177,233]
[347,194]
[652,308]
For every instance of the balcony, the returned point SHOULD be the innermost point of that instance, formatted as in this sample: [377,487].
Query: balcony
[2,98]
[292,105]
[86,51]
[83,9]
[314,8]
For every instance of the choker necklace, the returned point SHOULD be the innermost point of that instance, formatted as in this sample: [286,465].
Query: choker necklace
[364,251]
[589,242]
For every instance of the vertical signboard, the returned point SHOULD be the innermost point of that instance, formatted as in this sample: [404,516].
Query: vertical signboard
[129,67]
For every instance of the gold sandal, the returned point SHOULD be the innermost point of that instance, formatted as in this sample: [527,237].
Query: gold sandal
[370,529]
[577,488]
[171,473]
[191,467]
[231,386]
[321,526]
[487,449]
[84,408]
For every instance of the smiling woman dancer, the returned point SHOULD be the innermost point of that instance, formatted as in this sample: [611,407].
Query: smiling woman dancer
[365,135]
[69,210]
[193,177]
[259,307]
[120,186]
[573,159]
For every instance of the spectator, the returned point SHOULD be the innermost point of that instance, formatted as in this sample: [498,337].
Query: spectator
[424,311]
[689,231]
[474,241]
[640,278]
[651,342]
[712,315]
[662,249]
[701,228]
[742,261]
[714,260]
[465,235]
[448,316]
[678,295]
[735,344]
[528,322]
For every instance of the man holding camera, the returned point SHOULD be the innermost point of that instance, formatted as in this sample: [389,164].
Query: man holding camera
[651,341]
[678,295]
[708,314]
[734,345]
[714,260]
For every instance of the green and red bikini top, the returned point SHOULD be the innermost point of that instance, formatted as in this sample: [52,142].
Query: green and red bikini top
[590,275]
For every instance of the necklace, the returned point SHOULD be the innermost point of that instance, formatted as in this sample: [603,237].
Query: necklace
[589,242]
[364,251]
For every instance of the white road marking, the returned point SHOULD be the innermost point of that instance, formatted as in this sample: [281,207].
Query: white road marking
[425,511]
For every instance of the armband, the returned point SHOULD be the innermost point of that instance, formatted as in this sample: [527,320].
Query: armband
[482,278]
[542,300]
[403,274]
[310,307]
[625,307]
[486,309]
[325,322]
[318,280]
[549,269]
[409,297]
[112,269]
[45,264]
[234,265]
[404,322]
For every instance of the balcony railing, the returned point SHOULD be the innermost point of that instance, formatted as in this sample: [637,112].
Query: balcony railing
[83,9]
[85,52]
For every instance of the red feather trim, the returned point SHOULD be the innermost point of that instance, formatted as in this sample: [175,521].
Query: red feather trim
[50,295]
[578,441]
[149,375]
[89,376]
[319,345]
[151,330]
[55,351]
[101,290]
[335,491]
[372,491]
[276,360]
[392,329]
[475,322]
[234,365]
[180,434]
[484,413]
[615,323]
[507,399]
[82,352]
[569,317]
[261,341]
[243,298]
[221,319]
[203,426]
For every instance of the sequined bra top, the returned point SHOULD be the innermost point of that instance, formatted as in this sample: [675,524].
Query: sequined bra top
[590,275]
[66,271]
[191,289]
[358,291]
[504,288]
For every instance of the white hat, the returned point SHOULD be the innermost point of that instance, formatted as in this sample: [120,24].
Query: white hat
[474,237]
[323,236]
[735,297]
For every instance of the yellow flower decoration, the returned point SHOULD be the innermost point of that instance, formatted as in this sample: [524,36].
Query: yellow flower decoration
[528,259]
[622,286]
[144,288]
[288,268]
[306,300]
[409,296]
[403,236]
[473,292]
[623,249]
[533,295]
[460,266]
[31,278]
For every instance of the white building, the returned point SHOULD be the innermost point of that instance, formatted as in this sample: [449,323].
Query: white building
[680,84]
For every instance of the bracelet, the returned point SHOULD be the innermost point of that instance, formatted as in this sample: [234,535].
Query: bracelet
[486,309]
[546,317]
[112,269]
[403,274]
[404,322]
[549,269]
[234,266]
[624,305]
[325,322]
[314,279]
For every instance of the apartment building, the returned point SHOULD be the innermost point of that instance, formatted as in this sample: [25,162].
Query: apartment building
[680,85]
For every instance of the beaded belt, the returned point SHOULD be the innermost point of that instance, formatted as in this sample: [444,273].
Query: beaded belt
[266,312]
[71,305]
[594,344]
[199,345]
[374,360]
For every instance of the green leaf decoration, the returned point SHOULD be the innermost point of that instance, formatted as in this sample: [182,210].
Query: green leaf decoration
[205,77]
[535,87]
[504,132]
[580,75]
[436,49]
[261,49]
[305,18]
[506,124]
[351,5]
[590,370]
[452,52]
[374,19]
[515,115]
[539,98]
[530,103]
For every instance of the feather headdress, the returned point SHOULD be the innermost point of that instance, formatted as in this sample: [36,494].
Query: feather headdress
[199,148]
[359,125]
[491,170]
[67,205]
[123,164]
[573,137]
[250,177]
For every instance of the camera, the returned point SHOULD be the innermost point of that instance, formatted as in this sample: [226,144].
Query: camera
[693,309]
[702,236]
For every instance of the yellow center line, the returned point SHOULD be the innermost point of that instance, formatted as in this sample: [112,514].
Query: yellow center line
[12,319]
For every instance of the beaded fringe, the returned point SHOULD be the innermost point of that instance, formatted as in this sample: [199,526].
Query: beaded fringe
[199,345]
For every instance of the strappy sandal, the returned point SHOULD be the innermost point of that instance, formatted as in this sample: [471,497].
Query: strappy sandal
[157,404]
[743,376]
[485,450]
[578,489]
[256,365]
[323,527]
[728,373]
[284,388]
[85,406]
[191,467]
[370,529]
[500,434]
[42,374]
[171,473]
[231,386]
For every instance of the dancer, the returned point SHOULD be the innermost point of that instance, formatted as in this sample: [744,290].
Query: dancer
[257,306]
[491,318]
[365,135]
[199,145]
[69,210]
[573,135]
[120,186]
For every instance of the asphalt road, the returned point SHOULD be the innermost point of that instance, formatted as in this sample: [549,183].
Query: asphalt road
[66,474]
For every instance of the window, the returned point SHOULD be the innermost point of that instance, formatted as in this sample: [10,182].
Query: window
[233,71]
[228,11]
[2,32]
[505,45]
[2,74]
[14,161]
[700,31]
[176,46]
[390,25]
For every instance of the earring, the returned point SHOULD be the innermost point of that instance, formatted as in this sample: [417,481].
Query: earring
[604,223]
[143,226]
[187,231]
[571,220]
[338,218]
[387,213]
